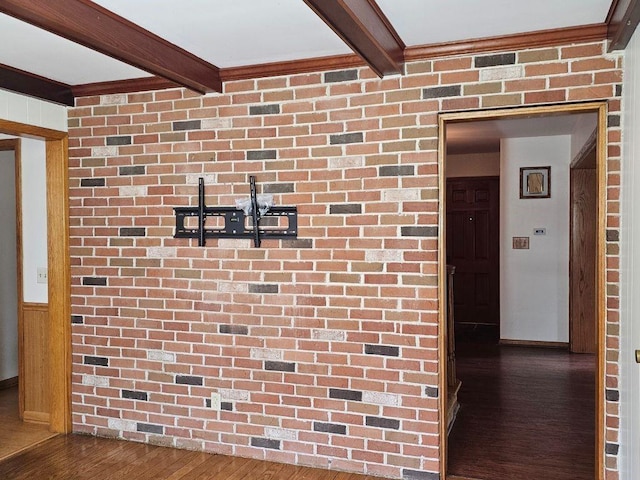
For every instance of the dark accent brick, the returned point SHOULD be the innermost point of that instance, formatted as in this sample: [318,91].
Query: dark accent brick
[396,170]
[613,121]
[207,402]
[134,395]
[298,243]
[417,475]
[271,109]
[269,222]
[386,350]
[343,138]
[612,395]
[618,90]
[132,170]
[79,319]
[99,361]
[495,60]
[263,288]
[278,188]
[228,406]
[345,209]
[234,329]
[341,394]
[330,428]
[383,422]
[419,231]
[187,125]
[440,92]
[262,155]
[265,443]
[133,232]
[92,182]
[280,366]
[612,448]
[613,235]
[341,76]
[150,428]
[431,392]
[121,140]
[189,380]
[95,281]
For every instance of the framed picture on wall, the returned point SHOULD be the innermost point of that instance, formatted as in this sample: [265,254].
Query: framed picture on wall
[535,182]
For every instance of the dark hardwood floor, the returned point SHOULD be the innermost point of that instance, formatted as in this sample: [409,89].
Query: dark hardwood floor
[526,414]
[80,457]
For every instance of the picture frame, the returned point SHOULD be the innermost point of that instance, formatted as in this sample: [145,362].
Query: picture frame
[535,182]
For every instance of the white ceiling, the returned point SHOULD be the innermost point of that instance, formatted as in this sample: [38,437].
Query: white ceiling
[229,33]
[484,135]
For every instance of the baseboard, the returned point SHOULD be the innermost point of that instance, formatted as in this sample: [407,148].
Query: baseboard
[534,343]
[8,383]
[36,417]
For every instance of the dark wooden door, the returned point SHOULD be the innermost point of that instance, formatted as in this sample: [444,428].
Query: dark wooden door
[473,247]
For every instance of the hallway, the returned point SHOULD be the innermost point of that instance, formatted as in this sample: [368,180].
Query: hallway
[15,435]
[526,413]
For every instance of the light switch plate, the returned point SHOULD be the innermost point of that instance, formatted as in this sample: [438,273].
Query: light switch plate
[42,275]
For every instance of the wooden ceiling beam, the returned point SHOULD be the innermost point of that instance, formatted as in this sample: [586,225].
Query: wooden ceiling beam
[622,21]
[95,27]
[35,86]
[364,27]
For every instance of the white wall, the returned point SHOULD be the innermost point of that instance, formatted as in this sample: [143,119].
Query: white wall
[31,111]
[630,268]
[34,219]
[473,165]
[8,269]
[534,283]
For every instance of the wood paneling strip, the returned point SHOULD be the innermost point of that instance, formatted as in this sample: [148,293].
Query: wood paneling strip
[35,359]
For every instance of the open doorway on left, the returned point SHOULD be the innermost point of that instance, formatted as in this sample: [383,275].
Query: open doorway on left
[16,434]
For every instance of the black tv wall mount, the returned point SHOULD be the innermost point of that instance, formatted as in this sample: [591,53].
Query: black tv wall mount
[235,220]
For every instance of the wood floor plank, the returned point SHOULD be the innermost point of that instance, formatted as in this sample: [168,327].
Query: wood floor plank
[16,435]
[527,413]
[80,457]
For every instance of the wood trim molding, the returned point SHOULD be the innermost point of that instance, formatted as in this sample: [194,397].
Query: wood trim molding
[534,343]
[522,112]
[57,166]
[20,129]
[622,20]
[292,67]
[123,86]
[542,38]
[35,86]
[363,26]
[95,27]
[580,160]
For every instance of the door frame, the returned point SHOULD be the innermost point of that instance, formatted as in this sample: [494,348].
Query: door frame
[59,268]
[600,108]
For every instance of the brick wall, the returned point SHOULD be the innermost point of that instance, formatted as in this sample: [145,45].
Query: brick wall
[322,350]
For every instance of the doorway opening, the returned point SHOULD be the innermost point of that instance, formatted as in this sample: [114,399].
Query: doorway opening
[518,308]
[40,392]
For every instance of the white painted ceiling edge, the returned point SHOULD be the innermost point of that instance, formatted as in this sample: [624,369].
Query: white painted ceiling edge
[248,32]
